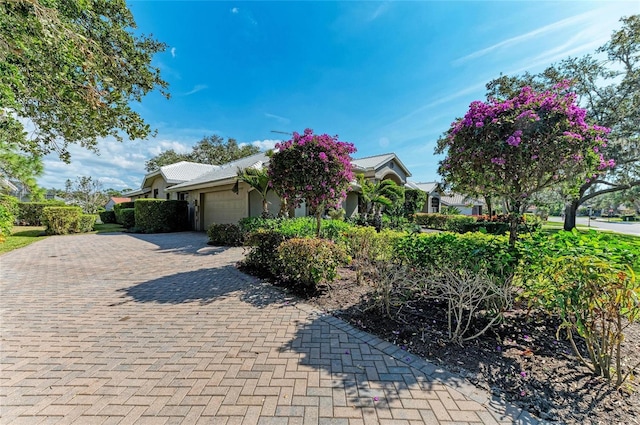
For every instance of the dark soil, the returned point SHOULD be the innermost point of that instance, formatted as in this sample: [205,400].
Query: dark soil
[521,359]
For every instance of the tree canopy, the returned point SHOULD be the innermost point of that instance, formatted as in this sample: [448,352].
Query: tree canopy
[72,69]
[210,150]
[608,87]
[516,148]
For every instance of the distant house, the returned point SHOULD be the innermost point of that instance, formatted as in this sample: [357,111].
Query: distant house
[115,200]
[466,204]
[434,192]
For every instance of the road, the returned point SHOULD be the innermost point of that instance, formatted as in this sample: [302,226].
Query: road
[629,228]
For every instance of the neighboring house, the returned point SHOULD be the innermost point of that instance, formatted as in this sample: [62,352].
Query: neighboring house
[434,192]
[115,200]
[467,205]
[156,183]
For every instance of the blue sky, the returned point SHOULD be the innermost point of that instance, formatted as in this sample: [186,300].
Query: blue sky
[387,76]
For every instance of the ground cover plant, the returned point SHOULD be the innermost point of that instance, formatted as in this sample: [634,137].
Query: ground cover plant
[22,236]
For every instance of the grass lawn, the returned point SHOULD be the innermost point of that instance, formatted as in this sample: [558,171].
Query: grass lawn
[25,235]
[22,236]
[107,228]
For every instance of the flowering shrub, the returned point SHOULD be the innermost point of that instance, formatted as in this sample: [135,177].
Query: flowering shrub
[308,262]
[315,169]
[518,147]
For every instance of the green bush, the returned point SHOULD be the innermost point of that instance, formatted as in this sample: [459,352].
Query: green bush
[597,300]
[457,223]
[108,217]
[86,222]
[8,211]
[128,218]
[61,220]
[252,224]
[431,220]
[308,262]
[226,235]
[468,251]
[30,213]
[300,227]
[159,215]
[117,209]
[414,200]
[263,258]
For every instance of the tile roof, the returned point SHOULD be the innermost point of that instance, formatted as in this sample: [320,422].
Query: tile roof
[224,172]
[119,200]
[373,161]
[458,199]
[425,187]
[183,171]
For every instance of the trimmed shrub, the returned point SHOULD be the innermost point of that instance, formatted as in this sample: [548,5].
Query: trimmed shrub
[128,218]
[263,258]
[108,217]
[225,235]
[252,224]
[86,222]
[308,262]
[159,215]
[61,220]
[431,220]
[30,213]
[117,208]
[469,251]
[8,211]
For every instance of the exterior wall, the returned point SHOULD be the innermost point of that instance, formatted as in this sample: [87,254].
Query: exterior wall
[392,171]
[432,205]
[350,204]
[109,205]
[200,216]
[159,184]
[255,203]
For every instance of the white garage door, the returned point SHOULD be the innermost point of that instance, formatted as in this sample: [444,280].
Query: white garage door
[223,207]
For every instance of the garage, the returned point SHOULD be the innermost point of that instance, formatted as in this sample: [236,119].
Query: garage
[222,207]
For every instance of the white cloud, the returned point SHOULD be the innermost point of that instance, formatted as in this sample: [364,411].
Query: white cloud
[173,52]
[278,118]
[380,10]
[264,145]
[528,36]
[235,10]
[197,88]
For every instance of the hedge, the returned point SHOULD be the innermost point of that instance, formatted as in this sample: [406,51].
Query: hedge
[127,218]
[469,251]
[8,211]
[30,213]
[62,220]
[108,217]
[453,223]
[159,215]
[86,222]
[117,209]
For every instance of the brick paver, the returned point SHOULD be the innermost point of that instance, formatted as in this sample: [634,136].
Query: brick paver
[162,329]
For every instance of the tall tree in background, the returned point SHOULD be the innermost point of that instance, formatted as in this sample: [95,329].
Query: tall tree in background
[210,150]
[86,193]
[609,88]
[70,69]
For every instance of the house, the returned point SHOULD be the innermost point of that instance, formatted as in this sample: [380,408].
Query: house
[115,200]
[156,183]
[212,198]
[433,190]
[465,204]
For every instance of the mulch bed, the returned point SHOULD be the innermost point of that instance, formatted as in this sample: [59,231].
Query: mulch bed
[521,359]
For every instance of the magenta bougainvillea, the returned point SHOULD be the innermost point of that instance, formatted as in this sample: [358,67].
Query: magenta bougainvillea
[312,168]
[515,148]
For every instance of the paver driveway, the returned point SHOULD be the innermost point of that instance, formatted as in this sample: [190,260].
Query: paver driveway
[119,328]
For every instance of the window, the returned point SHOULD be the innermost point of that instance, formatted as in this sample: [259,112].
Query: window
[155,193]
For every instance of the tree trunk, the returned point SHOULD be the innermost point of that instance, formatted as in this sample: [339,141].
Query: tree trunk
[570,211]
[513,229]
[318,222]
[265,208]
